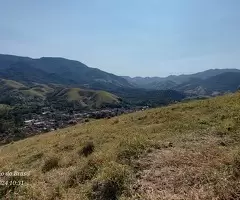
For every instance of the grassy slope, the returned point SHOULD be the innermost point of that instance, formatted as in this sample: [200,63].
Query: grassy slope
[40,90]
[4,107]
[90,97]
[11,84]
[59,170]
[32,93]
[84,97]
[105,97]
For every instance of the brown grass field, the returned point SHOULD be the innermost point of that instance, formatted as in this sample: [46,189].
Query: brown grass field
[182,151]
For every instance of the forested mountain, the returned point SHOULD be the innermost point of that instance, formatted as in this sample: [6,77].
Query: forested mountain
[174,80]
[57,70]
[225,82]
[74,74]
[68,74]
[203,83]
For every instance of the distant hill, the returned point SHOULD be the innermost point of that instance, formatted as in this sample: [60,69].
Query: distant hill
[14,93]
[142,97]
[163,85]
[61,97]
[142,81]
[66,74]
[57,70]
[26,73]
[225,82]
[201,75]
[10,84]
[70,73]
[4,107]
[83,98]
[171,81]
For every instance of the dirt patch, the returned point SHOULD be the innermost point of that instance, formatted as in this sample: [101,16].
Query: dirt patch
[182,172]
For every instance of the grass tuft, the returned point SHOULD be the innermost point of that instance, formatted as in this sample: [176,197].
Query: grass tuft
[50,164]
[112,181]
[87,149]
[84,173]
[131,149]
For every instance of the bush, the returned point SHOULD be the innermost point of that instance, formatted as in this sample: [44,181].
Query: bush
[50,164]
[131,149]
[111,183]
[116,121]
[84,173]
[106,190]
[87,149]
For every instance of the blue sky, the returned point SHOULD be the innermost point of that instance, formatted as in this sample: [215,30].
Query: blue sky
[126,37]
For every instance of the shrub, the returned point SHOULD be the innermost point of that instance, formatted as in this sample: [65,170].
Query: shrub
[116,121]
[104,190]
[84,173]
[50,164]
[87,149]
[131,149]
[111,183]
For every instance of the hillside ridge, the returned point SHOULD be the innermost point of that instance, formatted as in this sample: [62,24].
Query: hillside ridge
[193,146]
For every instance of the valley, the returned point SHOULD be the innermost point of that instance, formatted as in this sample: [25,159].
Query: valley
[27,110]
[45,94]
[50,93]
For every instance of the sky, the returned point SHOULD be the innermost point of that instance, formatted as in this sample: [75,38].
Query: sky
[126,37]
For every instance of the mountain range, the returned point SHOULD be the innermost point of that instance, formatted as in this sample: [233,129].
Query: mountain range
[57,70]
[203,83]
[68,75]
[74,74]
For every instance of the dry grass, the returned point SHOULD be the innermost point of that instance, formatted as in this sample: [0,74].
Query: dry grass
[199,169]
[183,151]
[50,164]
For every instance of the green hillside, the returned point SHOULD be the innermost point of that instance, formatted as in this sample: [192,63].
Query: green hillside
[228,81]
[57,70]
[14,91]
[4,107]
[36,90]
[40,90]
[183,151]
[85,98]
[11,84]
[103,97]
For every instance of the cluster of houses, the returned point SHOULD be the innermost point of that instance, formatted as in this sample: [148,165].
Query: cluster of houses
[52,120]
